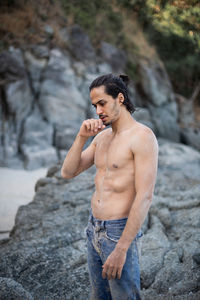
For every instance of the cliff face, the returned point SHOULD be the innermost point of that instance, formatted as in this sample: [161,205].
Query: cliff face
[46,71]
[45,256]
[44,97]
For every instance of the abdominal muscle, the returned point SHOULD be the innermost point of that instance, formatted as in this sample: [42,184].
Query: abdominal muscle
[113,196]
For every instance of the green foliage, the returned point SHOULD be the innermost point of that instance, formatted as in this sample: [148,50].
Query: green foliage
[174,27]
[97,18]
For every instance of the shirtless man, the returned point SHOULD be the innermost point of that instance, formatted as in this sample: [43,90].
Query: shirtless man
[125,157]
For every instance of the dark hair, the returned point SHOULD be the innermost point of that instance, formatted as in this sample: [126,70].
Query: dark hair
[113,86]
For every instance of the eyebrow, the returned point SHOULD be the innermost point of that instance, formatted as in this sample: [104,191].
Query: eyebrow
[94,104]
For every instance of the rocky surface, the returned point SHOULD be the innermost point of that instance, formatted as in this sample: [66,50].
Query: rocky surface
[44,97]
[45,256]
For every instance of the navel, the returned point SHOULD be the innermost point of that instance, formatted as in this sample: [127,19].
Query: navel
[115,166]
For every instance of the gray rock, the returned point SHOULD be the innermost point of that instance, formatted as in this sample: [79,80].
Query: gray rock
[80,45]
[165,121]
[49,30]
[191,136]
[35,66]
[64,138]
[60,100]
[39,51]
[115,57]
[36,142]
[160,99]
[12,290]
[46,251]
[10,69]
[142,115]
[16,100]
[155,83]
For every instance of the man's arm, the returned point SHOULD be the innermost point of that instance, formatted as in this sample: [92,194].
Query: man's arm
[145,152]
[76,160]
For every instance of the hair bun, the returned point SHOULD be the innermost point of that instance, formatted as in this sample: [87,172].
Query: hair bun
[125,79]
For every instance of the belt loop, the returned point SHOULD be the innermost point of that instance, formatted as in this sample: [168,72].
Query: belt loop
[91,219]
[103,224]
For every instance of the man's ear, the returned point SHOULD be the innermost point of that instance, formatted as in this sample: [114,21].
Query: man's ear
[121,98]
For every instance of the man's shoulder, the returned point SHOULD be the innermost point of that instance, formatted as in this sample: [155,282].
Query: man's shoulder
[101,135]
[142,134]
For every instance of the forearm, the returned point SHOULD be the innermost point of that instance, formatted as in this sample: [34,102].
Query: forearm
[73,157]
[137,215]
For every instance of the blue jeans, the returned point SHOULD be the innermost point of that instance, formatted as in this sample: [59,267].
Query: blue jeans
[102,237]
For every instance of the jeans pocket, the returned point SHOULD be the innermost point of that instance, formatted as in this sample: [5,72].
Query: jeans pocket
[114,233]
[89,230]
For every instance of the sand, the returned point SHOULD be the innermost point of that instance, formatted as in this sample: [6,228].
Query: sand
[16,188]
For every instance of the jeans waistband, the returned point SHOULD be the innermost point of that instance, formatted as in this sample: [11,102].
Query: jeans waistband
[101,224]
[104,223]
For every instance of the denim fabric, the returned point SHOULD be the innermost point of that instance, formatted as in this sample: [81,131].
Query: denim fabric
[102,237]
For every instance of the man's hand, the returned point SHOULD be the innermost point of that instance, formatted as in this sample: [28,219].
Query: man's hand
[113,266]
[91,127]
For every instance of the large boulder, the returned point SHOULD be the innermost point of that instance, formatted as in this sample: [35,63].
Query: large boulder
[46,251]
[114,56]
[159,99]
[16,103]
[10,289]
[36,142]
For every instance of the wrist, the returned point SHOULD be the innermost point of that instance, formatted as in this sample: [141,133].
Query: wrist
[122,247]
[82,137]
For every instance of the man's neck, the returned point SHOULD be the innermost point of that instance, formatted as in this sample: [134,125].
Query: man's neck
[125,121]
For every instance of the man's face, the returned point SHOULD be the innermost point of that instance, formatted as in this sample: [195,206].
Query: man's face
[107,108]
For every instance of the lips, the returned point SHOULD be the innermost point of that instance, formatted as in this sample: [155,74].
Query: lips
[102,117]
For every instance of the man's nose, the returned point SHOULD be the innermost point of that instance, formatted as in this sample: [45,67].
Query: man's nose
[99,110]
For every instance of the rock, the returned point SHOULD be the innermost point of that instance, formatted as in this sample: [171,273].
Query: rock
[60,100]
[186,112]
[35,66]
[165,121]
[142,115]
[64,138]
[160,100]
[155,83]
[11,69]
[80,45]
[16,100]
[49,30]
[191,136]
[115,57]
[54,84]
[39,51]
[36,142]
[46,251]
[10,289]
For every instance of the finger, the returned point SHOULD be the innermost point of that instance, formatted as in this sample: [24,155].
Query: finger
[100,123]
[119,273]
[114,273]
[92,125]
[87,124]
[104,274]
[109,272]
[96,126]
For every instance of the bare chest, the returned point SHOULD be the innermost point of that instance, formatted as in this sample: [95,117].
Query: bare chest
[113,153]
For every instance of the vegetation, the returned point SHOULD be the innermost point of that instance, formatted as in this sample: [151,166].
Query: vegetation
[173,27]
[97,17]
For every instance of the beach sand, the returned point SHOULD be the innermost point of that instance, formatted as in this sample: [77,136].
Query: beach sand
[16,188]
